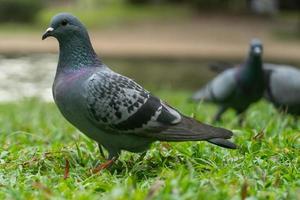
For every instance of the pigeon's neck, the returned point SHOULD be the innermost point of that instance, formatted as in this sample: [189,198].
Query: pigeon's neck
[76,52]
[252,69]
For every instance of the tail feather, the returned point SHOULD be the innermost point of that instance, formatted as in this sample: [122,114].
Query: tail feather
[223,143]
[191,130]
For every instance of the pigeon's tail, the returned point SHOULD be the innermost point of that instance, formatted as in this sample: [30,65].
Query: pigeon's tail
[203,94]
[191,130]
[222,143]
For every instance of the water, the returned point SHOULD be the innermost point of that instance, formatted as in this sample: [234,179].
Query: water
[32,76]
[27,76]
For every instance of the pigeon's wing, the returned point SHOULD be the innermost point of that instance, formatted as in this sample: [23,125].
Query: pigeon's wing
[118,103]
[270,66]
[219,89]
[284,85]
[121,106]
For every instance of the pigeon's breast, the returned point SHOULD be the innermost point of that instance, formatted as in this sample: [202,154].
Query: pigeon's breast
[65,81]
[68,93]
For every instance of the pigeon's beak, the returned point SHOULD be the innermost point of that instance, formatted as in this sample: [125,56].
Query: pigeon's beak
[47,33]
[257,50]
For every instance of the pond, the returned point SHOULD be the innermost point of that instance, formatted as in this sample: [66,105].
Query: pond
[32,75]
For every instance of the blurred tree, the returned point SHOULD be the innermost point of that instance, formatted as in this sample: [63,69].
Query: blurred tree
[19,10]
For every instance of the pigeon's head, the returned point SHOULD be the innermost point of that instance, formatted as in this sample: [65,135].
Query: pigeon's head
[64,26]
[256,48]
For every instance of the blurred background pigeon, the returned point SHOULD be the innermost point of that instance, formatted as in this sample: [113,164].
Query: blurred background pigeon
[282,85]
[237,87]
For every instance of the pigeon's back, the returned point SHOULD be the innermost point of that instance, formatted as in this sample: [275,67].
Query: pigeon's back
[284,84]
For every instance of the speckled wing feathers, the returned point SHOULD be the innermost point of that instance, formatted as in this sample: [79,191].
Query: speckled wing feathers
[121,105]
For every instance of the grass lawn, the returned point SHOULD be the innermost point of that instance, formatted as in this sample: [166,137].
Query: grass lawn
[36,142]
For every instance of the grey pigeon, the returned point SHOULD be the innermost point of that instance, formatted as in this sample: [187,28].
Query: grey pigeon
[283,87]
[237,87]
[110,108]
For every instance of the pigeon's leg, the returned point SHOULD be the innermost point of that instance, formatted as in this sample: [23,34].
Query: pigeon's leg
[101,150]
[241,117]
[111,159]
[219,113]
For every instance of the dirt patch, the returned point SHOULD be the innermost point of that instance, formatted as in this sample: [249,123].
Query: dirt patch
[208,37]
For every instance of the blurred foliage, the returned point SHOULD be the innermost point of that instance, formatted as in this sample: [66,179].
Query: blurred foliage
[210,3]
[230,5]
[220,4]
[200,4]
[289,4]
[19,10]
[118,13]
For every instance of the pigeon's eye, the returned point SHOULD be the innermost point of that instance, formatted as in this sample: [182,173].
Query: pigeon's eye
[64,22]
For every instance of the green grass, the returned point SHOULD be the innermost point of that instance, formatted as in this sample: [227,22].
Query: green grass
[35,142]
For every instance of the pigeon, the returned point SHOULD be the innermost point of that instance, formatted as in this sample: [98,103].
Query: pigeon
[237,87]
[283,87]
[112,109]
